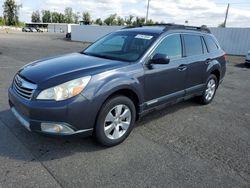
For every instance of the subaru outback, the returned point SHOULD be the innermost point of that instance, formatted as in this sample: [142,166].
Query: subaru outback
[104,89]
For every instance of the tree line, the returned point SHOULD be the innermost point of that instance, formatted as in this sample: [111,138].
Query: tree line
[11,17]
[69,16]
[10,13]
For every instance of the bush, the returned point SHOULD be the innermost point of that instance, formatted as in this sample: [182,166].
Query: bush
[20,24]
[1,21]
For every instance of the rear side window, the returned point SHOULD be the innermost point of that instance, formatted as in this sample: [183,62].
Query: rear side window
[193,45]
[170,46]
[211,45]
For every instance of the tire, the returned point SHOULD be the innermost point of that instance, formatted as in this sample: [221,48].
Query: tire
[115,121]
[206,98]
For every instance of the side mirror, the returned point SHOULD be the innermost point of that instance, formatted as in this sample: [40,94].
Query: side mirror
[159,59]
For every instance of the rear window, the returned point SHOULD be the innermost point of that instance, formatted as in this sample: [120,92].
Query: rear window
[211,44]
[193,45]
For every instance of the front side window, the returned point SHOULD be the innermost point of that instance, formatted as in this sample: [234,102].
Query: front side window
[193,45]
[124,46]
[171,47]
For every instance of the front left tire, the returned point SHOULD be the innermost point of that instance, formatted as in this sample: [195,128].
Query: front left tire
[115,121]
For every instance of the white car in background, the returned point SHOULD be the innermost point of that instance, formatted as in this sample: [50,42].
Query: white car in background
[248,58]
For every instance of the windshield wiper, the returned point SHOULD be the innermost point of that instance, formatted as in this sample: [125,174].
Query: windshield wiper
[82,52]
[100,55]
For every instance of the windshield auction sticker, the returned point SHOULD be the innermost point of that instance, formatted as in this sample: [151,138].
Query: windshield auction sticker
[145,37]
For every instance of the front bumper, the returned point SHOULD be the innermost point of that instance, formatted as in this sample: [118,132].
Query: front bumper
[73,114]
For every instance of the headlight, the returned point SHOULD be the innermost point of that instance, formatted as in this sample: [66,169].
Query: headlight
[65,90]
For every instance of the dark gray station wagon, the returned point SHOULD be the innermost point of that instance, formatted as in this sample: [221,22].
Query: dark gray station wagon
[104,89]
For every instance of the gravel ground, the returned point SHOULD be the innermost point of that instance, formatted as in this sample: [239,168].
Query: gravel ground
[184,145]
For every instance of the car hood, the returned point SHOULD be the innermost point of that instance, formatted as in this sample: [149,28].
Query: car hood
[67,67]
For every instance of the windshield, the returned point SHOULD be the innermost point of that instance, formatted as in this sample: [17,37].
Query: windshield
[122,46]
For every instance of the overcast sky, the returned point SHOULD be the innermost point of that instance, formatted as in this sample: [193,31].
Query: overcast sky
[197,12]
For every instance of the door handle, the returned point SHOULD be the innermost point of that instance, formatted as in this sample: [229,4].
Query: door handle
[182,67]
[207,62]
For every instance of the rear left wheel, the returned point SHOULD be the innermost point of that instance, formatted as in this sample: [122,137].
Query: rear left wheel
[115,121]
[210,90]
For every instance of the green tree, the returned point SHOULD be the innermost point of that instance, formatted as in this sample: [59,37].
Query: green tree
[129,20]
[61,18]
[46,16]
[86,18]
[68,13]
[111,20]
[150,22]
[139,21]
[10,12]
[1,20]
[35,17]
[99,21]
[55,17]
[120,21]
[76,17]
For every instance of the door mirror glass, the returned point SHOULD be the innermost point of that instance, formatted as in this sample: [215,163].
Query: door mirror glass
[159,59]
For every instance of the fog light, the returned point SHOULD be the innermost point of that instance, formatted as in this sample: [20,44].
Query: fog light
[56,128]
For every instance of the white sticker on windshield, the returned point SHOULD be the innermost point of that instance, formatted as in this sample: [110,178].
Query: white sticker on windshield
[145,37]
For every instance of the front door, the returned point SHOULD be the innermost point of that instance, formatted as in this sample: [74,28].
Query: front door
[166,82]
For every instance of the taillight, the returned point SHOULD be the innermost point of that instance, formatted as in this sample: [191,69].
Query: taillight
[225,57]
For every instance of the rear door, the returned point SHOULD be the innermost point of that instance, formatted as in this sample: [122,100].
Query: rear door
[197,61]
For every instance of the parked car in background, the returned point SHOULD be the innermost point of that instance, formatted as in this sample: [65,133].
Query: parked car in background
[248,58]
[26,29]
[32,29]
[104,89]
[39,30]
[68,35]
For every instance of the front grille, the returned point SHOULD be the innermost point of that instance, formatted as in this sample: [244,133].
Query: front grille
[23,87]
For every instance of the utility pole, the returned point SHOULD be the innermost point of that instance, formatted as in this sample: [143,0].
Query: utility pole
[147,12]
[225,21]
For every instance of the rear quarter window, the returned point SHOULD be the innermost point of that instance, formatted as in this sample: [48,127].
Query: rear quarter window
[211,44]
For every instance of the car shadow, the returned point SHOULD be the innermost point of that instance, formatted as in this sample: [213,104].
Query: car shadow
[166,110]
[242,65]
[44,148]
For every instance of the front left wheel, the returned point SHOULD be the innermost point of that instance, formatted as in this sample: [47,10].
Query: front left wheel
[115,121]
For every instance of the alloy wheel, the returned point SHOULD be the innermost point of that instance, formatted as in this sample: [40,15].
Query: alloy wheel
[210,91]
[117,121]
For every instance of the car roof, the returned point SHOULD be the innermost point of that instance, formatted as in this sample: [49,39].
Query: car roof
[158,29]
[146,29]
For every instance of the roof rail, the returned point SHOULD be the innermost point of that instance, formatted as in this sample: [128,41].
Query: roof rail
[170,26]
